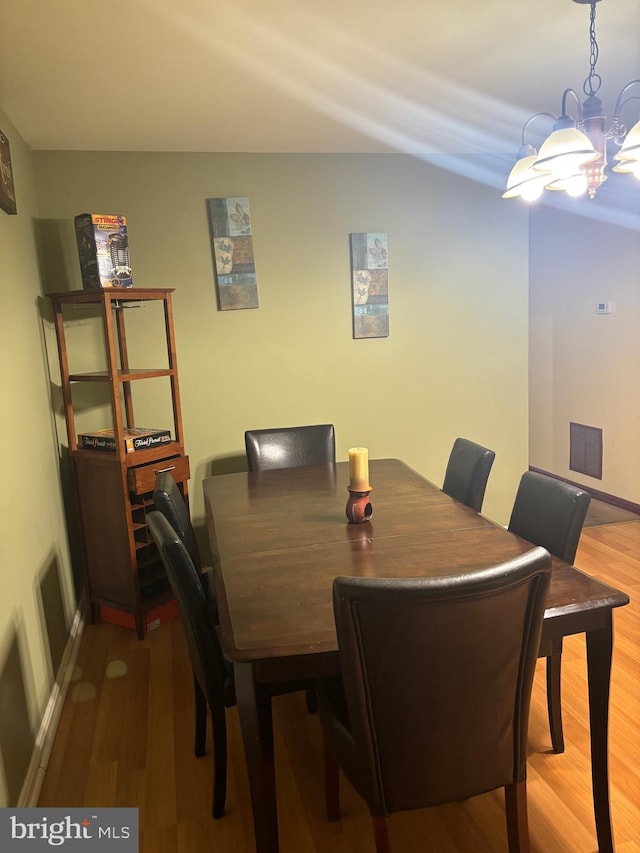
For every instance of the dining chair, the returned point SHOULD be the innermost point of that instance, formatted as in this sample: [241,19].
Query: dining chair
[432,704]
[168,499]
[289,447]
[551,513]
[467,472]
[212,674]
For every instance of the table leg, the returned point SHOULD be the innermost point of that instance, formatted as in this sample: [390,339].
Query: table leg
[599,649]
[254,710]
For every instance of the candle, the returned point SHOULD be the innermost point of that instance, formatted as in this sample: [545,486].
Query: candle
[359,469]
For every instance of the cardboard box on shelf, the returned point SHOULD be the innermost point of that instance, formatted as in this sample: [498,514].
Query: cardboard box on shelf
[103,250]
[135,438]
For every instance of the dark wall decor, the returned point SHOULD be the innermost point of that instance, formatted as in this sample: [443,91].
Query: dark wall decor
[369,285]
[231,235]
[7,191]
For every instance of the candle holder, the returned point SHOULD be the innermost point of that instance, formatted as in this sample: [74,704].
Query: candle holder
[359,508]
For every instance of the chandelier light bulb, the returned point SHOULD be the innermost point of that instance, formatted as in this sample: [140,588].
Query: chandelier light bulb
[576,186]
[532,190]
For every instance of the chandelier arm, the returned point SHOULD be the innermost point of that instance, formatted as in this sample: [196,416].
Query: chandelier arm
[621,101]
[532,118]
[575,97]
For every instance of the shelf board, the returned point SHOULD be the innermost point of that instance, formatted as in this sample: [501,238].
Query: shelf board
[132,460]
[122,375]
[159,579]
[118,294]
[139,502]
[152,560]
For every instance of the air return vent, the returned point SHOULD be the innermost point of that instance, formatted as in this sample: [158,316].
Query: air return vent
[585,450]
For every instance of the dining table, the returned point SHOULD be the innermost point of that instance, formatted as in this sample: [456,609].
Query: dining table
[279,538]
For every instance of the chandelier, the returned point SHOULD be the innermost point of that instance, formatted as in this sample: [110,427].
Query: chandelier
[574,156]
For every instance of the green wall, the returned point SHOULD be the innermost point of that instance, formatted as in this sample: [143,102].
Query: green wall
[455,362]
[36,600]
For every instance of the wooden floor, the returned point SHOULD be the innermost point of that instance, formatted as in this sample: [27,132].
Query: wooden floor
[125,738]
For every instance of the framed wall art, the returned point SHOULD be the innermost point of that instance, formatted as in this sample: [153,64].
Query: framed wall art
[232,243]
[7,191]
[370,285]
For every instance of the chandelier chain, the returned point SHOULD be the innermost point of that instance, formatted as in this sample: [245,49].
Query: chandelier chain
[593,81]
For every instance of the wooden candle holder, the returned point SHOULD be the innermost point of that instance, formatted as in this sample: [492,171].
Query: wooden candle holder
[359,508]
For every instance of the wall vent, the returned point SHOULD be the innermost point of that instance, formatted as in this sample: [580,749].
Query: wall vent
[585,450]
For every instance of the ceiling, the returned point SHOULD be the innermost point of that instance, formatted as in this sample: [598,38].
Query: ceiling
[420,76]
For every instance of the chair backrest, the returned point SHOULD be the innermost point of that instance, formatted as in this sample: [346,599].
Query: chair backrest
[550,513]
[202,641]
[289,447]
[437,674]
[467,472]
[168,500]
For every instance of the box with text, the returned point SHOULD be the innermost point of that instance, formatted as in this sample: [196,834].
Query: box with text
[103,250]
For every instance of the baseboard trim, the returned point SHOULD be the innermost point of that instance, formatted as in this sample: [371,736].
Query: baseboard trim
[50,719]
[613,500]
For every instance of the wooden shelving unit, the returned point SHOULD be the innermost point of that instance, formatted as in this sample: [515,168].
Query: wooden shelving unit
[114,490]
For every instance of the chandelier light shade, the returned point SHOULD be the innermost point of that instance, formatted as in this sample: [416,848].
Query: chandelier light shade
[524,181]
[631,146]
[629,167]
[564,151]
[573,158]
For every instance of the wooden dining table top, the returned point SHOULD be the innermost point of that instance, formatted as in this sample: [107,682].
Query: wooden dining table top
[280,537]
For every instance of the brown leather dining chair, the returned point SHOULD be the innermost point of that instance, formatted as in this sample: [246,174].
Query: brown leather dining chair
[551,513]
[168,499]
[289,447]
[212,674]
[432,704]
[467,472]
[213,677]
